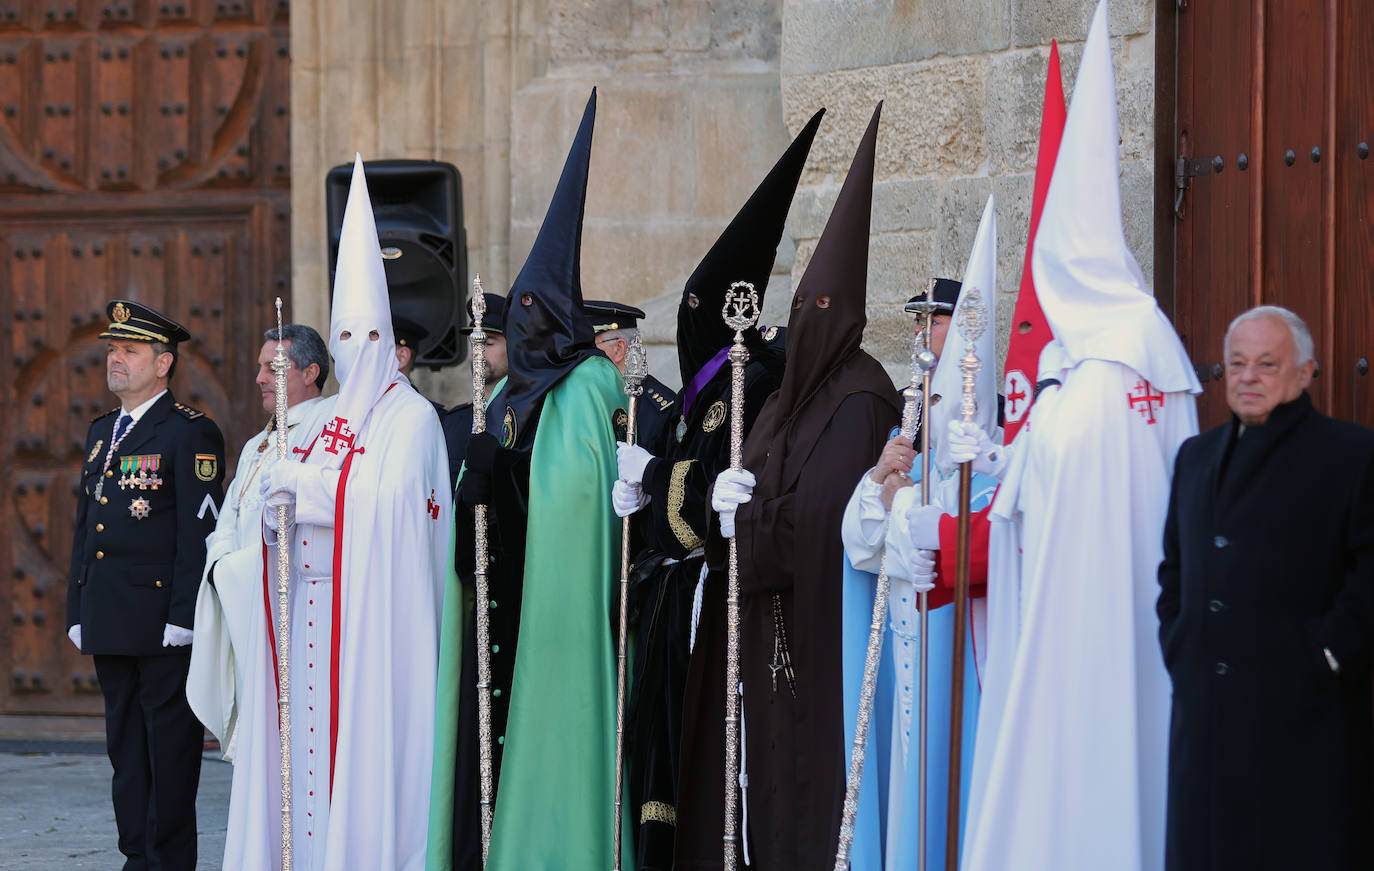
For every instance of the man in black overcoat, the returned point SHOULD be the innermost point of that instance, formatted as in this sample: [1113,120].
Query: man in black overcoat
[150,492]
[1267,622]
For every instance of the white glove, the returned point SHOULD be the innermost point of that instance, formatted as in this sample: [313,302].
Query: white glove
[923,521]
[923,570]
[968,443]
[627,498]
[734,487]
[175,636]
[74,633]
[269,519]
[632,460]
[279,483]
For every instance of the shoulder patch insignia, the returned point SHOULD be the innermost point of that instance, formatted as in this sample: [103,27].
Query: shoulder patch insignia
[620,422]
[189,412]
[715,416]
[508,428]
[770,334]
[206,466]
[664,403]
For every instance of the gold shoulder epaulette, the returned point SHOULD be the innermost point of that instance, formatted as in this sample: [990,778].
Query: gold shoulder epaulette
[187,411]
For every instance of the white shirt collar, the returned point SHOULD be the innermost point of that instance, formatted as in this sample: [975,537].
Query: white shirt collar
[142,409]
[296,413]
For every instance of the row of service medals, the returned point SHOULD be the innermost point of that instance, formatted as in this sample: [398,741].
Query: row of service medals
[139,471]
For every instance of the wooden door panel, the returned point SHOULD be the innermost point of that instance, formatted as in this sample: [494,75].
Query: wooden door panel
[1294,228]
[1215,122]
[1352,384]
[143,153]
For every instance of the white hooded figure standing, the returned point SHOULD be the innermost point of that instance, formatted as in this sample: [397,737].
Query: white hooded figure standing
[370,520]
[1076,763]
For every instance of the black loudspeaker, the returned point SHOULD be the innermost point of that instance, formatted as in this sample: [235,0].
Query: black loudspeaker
[418,206]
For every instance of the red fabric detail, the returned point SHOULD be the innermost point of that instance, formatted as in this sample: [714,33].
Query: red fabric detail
[271,635]
[1023,350]
[1143,398]
[337,609]
[947,557]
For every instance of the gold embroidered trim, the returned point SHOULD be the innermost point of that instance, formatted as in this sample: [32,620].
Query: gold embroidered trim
[658,812]
[677,495]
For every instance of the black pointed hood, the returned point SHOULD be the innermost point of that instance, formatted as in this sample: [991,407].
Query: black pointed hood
[824,332]
[745,251]
[547,333]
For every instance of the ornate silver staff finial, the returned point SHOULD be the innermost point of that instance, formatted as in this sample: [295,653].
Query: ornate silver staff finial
[636,365]
[741,309]
[973,319]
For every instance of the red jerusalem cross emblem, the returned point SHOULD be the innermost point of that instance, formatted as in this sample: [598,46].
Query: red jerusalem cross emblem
[1144,399]
[337,435]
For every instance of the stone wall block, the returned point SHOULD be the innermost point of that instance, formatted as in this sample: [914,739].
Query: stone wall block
[1137,209]
[688,26]
[1013,194]
[811,209]
[743,28]
[1016,96]
[735,135]
[961,205]
[814,33]
[457,123]
[1036,22]
[643,164]
[633,262]
[905,204]
[932,121]
[542,127]
[899,265]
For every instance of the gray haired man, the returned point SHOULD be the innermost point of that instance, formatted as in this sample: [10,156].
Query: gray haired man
[1266,612]
[227,616]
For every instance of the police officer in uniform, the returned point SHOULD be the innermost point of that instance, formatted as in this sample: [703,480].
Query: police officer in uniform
[150,492]
[457,421]
[614,324]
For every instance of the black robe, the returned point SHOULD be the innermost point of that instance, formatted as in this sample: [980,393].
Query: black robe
[673,526]
[507,516]
[1268,558]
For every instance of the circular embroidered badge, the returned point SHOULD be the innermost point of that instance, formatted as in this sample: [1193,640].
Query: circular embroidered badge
[715,416]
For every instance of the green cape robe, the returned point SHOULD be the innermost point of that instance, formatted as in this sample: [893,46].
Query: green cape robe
[554,808]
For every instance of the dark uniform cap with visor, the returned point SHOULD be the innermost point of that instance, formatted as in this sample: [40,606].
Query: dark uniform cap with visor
[606,315]
[944,295]
[493,317]
[135,322]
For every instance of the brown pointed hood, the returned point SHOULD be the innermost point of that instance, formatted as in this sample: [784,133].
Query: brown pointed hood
[824,361]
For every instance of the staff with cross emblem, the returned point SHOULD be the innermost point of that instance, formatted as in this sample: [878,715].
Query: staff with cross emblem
[149,494]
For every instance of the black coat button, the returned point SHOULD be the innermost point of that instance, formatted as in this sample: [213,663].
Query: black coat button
[1221,668]
[1215,606]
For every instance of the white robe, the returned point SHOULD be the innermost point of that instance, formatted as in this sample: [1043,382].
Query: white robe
[394,553]
[229,618]
[1076,758]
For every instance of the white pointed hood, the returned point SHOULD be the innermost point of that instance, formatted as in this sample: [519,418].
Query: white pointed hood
[1090,286]
[948,381]
[366,368]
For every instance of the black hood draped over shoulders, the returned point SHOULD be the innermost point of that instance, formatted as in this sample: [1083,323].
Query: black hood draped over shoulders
[824,360]
[745,251]
[547,333]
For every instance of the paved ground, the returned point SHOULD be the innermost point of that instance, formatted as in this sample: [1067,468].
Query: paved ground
[55,812]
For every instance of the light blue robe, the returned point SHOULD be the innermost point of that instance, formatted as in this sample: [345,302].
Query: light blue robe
[885,837]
